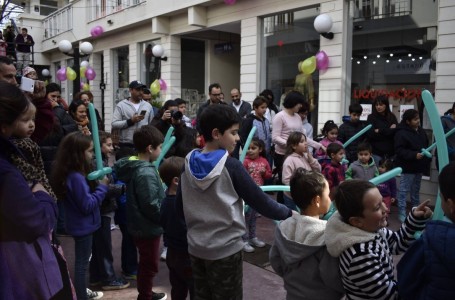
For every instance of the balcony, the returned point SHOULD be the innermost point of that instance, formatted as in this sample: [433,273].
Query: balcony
[380,9]
[58,22]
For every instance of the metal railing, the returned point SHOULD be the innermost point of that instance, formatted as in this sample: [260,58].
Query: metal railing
[379,9]
[58,22]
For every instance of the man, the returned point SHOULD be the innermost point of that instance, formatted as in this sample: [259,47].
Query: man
[214,98]
[131,114]
[9,39]
[243,108]
[24,43]
[7,70]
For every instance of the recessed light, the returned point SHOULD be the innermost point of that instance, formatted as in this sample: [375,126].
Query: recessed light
[409,55]
[413,59]
[391,54]
[387,61]
[365,57]
[378,56]
[374,62]
[420,57]
[358,62]
[399,60]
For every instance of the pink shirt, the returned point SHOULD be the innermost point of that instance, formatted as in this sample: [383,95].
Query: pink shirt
[295,161]
[259,169]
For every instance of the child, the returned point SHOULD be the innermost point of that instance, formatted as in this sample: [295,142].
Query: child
[351,127]
[81,199]
[209,196]
[177,257]
[410,139]
[426,269]
[299,254]
[29,72]
[356,234]
[259,169]
[297,156]
[388,189]
[330,133]
[364,167]
[144,193]
[181,104]
[102,262]
[262,125]
[334,171]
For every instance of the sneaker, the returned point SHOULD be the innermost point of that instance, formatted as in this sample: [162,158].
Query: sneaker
[117,284]
[114,227]
[163,254]
[128,276]
[248,248]
[94,295]
[159,296]
[257,243]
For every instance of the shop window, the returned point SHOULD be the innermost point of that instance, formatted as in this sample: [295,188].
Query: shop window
[121,73]
[149,63]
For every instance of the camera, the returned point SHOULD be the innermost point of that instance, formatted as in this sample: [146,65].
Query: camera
[176,114]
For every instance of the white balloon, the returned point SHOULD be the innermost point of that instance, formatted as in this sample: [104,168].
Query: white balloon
[158,50]
[84,63]
[323,23]
[86,48]
[45,72]
[65,46]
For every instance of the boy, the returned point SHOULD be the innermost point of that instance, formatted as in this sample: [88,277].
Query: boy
[258,120]
[364,167]
[426,271]
[144,193]
[349,128]
[181,104]
[299,254]
[177,257]
[334,171]
[356,234]
[210,197]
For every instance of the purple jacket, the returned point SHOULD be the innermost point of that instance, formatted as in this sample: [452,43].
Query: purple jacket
[28,267]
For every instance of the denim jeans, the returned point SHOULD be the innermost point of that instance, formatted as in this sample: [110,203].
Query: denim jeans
[250,222]
[409,183]
[102,262]
[83,249]
[129,252]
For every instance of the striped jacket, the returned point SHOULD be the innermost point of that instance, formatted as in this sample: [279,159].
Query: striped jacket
[366,262]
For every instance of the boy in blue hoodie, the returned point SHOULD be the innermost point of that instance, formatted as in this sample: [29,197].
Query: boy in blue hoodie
[210,196]
[144,193]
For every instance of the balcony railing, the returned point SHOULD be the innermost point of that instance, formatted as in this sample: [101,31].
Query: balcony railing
[379,9]
[102,8]
[58,22]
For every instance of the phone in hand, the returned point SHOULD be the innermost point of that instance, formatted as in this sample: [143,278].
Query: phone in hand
[143,112]
[27,84]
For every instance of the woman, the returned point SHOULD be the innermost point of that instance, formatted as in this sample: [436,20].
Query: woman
[87,97]
[78,111]
[383,129]
[28,267]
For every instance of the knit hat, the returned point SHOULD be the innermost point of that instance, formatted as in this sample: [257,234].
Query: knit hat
[27,70]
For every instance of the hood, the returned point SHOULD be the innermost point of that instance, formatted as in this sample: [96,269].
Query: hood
[370,163]
[340,236]
[299,237]
[205,167]
[125,167]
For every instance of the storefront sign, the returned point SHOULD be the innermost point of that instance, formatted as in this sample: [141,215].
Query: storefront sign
[392,93]
[419,66]
[223,48]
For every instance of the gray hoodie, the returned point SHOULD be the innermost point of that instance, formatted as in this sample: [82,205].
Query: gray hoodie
[300,256]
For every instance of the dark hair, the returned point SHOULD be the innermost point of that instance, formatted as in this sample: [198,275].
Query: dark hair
[6,60]
[171,168]
[104,136]
[268,94]
[292,99]
[259,100]
[328,126]
[409,115]
[79,95]
[293,140]
[72,109]
[23,28]
[221,117]
[355,108]
[333,148]
[450,111]
[187,142]
[12,103]
[349,198]
[260,144]
[386,163]
[305,107]
[383,99]
[180,101]
[146,91]
[70,157]
[52,87]
[305,185]
[169,103]
[145,136]
[364,146]
[124,152]
[446,181]
[214,85]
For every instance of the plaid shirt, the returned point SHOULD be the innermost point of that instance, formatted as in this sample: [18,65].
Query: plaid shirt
[334,173]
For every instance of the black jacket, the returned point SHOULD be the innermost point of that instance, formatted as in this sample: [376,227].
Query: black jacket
[382,141]
[409,142]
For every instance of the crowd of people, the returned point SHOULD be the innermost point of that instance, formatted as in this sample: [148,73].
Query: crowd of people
[194,198]
[18,48]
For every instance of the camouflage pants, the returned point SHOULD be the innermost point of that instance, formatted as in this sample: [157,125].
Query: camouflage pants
[218,279]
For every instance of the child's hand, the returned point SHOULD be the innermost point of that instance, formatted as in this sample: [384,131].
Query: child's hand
[422,211]
[419,155]
[104,181]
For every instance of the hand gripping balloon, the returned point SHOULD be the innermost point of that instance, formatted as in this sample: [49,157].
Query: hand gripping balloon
[100,171]
[426,151]
[166,146]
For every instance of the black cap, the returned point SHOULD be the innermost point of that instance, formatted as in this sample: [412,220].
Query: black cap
[136,84]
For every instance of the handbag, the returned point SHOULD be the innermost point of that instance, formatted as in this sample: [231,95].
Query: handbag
[67,292]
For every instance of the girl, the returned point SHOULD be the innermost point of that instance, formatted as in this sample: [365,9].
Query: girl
[259,169]
[388,189]
[28,266]
[410,139]
[82,200]
[297,156]
[330,134]
[87,97]
[78,112]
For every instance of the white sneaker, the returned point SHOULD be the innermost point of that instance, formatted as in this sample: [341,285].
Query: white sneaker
[257,243]
[94,295]
[163,254]
[248,248]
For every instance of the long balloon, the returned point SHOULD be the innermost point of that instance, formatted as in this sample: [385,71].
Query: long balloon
[100,170]
[168,134]
[386,176]
[357,135]
[247,144]
[164,150]
[441,143]
[426,151]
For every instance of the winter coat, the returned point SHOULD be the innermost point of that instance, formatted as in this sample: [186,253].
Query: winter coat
[382,141]
[409,142]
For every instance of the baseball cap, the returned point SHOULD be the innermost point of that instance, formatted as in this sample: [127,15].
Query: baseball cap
[136,84]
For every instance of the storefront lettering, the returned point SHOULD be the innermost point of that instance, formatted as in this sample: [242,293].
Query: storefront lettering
[396,94]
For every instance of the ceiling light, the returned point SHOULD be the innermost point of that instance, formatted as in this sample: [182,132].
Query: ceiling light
[387,61]
[378,56]
[391,54]
[399,60]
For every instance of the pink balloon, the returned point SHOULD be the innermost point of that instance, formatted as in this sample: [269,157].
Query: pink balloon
[96,31]
[61,74]
[90,73]
[230,2]
[163,85]
[322,61]
[81,85]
